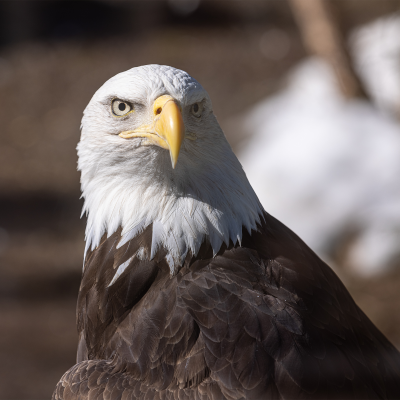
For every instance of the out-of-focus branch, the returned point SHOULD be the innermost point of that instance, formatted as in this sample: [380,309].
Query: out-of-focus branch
[322,37]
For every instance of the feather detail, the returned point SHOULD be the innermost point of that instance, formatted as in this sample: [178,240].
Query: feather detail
[120,270]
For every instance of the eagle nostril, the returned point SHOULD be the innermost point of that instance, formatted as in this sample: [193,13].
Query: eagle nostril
[158,111]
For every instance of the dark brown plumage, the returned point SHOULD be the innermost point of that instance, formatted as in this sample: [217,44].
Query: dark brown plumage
[267,320]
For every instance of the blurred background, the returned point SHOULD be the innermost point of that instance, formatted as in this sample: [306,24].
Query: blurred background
[307,92]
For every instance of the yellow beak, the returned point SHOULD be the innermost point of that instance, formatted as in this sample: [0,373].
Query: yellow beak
[167,130]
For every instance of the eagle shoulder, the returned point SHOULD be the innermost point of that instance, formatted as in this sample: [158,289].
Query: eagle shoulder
[266,319]
[276,319]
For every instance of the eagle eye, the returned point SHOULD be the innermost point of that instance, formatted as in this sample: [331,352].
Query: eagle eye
[120,107]
[197,109]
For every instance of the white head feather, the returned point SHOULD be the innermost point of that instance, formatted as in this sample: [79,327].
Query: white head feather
[206,196]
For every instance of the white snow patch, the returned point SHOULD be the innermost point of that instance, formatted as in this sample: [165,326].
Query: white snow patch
[325,166]
[376,49]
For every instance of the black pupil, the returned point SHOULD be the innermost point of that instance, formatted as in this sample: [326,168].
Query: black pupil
[196,108]
[121,106]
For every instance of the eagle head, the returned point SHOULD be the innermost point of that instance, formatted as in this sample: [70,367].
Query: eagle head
[152,153]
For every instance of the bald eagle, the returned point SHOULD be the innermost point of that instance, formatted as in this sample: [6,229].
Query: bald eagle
[190,290]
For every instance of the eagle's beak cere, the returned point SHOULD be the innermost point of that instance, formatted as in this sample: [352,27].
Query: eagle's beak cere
[167,130]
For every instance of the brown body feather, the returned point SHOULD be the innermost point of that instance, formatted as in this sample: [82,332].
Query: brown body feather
[267,320]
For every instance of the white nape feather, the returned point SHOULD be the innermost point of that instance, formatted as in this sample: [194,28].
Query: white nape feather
[125,184]
[120,270]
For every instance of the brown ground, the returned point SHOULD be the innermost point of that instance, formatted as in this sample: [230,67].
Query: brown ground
[44,88]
